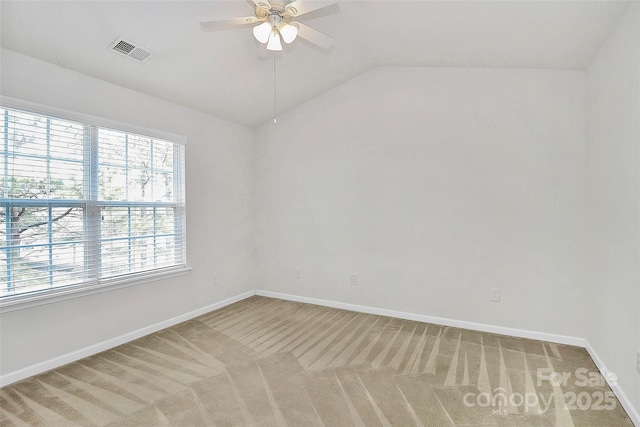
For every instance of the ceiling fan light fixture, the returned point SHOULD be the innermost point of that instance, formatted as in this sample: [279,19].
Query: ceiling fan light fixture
[274,41]
[272,23]
[261,32]
[288,32]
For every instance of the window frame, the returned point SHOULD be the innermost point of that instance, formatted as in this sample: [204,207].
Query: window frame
[21,301]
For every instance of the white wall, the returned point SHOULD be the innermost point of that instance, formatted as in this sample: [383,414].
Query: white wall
[432,186]
[613,138]
[219,184]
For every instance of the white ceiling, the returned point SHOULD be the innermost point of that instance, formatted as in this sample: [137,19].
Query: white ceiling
[228,74]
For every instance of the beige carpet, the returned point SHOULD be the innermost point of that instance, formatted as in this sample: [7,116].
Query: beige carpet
[269,362]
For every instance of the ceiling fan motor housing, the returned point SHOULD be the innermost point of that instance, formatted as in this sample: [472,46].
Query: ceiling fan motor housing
[266,11]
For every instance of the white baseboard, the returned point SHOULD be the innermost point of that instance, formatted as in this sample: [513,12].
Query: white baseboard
[632,412]
[56,362]
[543,336]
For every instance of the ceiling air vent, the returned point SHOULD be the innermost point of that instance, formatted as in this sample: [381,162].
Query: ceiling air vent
[132,50]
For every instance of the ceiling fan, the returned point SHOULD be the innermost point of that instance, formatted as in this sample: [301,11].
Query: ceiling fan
[275,21]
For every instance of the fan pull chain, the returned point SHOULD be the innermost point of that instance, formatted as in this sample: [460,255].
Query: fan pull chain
[275,105]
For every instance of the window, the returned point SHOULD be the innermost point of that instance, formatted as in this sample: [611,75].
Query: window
[84,205]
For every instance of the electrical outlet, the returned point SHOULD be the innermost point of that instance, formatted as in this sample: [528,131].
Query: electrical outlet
[215,280]
[495,295]
[638,361]
[354,279]
[297,274]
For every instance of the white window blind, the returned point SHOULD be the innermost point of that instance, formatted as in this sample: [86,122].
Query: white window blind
[84,204]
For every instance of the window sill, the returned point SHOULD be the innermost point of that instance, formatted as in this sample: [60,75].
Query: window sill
[20,302]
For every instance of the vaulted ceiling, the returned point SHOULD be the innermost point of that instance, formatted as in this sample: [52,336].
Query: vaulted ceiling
[228,74]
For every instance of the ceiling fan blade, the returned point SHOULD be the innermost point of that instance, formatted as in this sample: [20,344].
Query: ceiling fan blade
[314,36]
[300,7]
[262,4]
[224,24]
